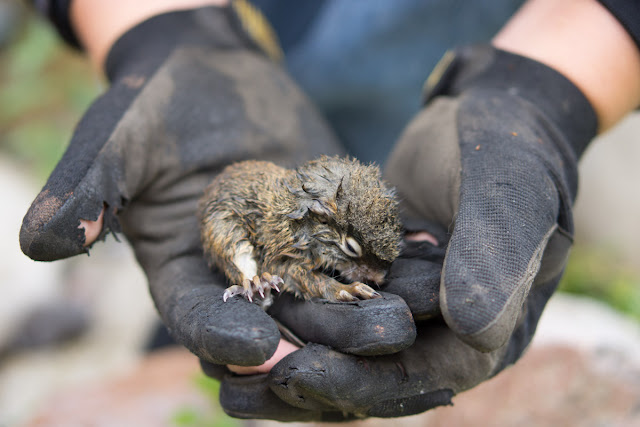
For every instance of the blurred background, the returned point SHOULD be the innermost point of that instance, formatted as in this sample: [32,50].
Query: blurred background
[73,333]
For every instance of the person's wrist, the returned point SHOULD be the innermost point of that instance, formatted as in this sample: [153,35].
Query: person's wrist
[603,64]
[98,24]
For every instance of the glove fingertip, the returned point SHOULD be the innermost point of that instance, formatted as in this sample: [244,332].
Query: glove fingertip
[52,228]
[42,243]
[255,347]
[364,327]
[250,397]
[472,324]
[231,333]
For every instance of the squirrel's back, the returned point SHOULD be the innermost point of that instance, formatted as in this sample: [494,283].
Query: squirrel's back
[250,193]
[251,180]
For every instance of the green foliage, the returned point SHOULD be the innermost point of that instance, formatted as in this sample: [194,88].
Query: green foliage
[599,273]
[188,417]
[44,88]
[208,386]
[192,417]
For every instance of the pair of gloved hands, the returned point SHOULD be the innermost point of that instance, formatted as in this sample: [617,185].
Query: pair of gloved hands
[490,161]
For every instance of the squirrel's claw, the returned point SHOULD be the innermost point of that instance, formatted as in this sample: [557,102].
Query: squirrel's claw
[346,296]
[364,291]
[355,291]
[234,290]
[257,285]
[273,281]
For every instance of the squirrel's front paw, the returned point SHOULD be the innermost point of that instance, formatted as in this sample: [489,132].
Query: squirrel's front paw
[257,285]
[355,291]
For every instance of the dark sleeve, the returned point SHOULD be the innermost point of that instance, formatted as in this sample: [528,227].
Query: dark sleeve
[57,11]
[291,19]
[627,12]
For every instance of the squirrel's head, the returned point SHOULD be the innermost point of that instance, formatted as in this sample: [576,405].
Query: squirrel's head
[348,217]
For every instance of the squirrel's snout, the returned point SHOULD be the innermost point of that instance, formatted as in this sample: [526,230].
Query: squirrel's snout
[365,273]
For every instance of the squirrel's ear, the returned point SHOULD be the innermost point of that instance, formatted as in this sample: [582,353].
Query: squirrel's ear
[317,206]
[298,214]
[340,190]
[323,207]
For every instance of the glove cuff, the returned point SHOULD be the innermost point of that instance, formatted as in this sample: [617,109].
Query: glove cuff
[485,67]
[149,43]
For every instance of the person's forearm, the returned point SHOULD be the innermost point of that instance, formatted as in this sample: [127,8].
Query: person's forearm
[98,23]
[583,41]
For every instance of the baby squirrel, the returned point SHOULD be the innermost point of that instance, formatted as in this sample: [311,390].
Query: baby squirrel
[265,226]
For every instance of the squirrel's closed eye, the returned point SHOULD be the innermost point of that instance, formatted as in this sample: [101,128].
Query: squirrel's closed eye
[351,247]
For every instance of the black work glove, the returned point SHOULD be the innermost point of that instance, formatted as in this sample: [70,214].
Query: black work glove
[190,92]
[492,160]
